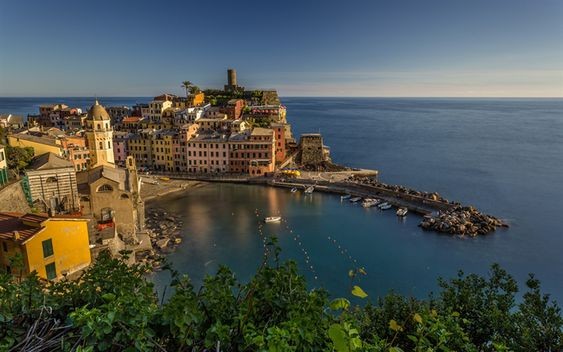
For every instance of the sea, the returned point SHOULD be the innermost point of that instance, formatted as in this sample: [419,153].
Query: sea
[503,156]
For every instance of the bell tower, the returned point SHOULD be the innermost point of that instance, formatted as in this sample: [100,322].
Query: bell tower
[99,136]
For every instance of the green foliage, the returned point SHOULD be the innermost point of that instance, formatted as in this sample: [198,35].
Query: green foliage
[113,307]
[18,158]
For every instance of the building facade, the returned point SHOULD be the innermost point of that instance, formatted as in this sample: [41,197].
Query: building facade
[99,136]
[52,185]
[51,246]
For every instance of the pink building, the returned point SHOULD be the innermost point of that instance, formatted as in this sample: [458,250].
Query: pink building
[208,153]
[254,153]
[120,147]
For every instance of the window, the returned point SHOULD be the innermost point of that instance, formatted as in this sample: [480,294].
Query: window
[51,179]
[101,145]
[47,248]
[105,188]
[51,271]
[5,246]
[109,145]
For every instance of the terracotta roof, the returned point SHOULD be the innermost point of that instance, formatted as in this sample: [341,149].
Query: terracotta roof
[132,119]
[12,222]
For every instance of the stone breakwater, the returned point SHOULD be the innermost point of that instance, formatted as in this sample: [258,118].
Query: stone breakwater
[450,217]
[164,230]
[462,221]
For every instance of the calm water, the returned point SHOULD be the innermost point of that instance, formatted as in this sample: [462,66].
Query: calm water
[503,156]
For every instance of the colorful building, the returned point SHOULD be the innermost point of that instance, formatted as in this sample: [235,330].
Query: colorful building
[208,153]
[51,246]
[3,166]
[99,135]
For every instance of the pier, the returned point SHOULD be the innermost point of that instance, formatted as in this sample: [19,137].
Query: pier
[439,214]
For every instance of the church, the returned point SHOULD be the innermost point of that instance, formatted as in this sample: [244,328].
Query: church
[109,194]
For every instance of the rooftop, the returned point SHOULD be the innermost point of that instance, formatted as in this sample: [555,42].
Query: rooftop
[49,161]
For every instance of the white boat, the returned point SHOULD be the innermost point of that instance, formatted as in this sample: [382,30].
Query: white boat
[293,190]
[385,206]
[309,190]
[402,211]
[368,203]
[272,219]
[355,199]
[345,197]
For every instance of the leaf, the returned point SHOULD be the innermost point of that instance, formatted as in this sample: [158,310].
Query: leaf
[358,292]
[338,337]
[339,303]
[417,318]
[455,314]
[393,325]
[395,349]
[362,271]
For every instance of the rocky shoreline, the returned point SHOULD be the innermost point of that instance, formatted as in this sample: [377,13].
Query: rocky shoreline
[462,221]
[456,220]
[164,230]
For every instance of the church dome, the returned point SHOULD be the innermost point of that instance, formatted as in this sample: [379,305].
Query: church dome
[97,112]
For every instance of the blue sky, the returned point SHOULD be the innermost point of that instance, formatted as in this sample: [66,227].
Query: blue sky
[480,48]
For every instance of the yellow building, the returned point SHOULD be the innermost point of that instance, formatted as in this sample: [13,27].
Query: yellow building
[52,246]
[99,135]
[40,145]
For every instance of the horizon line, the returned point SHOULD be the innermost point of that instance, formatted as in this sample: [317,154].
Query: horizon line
[297,96]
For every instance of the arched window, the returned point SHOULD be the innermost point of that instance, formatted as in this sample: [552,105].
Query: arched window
[109,145]
[105,188]
[124,196]
[107,126]
[51,179]
[98,126]
[101,145]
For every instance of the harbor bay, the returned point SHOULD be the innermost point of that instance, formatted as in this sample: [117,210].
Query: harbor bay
[433,145]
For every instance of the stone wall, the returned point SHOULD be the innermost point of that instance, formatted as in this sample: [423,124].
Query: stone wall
[13,199]
[312,151]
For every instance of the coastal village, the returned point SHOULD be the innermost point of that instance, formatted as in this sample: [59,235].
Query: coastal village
[74,183]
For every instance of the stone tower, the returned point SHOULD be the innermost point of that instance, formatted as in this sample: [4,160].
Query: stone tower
[99,136]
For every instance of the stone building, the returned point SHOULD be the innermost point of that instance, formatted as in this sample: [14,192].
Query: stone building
[312,149]
[99,136]
[111,196]
[51,181]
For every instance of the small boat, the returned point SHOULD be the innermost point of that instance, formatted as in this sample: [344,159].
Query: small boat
[309,190]
[348,196]
[368,203]
[385,206]
[402,211]
[272,219]
[355,199]
[293,190]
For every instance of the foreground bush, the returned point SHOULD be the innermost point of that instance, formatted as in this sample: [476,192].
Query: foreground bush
[114,308]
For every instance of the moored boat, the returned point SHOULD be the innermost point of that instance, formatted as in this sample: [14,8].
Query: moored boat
[368,203]
[345,197]
[272,219]
[402,211]
[385,206]
[309,190]
[293,190]
[355,199]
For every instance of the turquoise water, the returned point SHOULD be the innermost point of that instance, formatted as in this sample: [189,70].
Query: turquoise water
[504,156]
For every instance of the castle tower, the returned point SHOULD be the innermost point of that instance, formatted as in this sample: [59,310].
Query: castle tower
[232,77]
[99,136]
[232,85]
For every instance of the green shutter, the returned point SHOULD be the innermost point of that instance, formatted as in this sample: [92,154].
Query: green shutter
[47,248]
[51,271]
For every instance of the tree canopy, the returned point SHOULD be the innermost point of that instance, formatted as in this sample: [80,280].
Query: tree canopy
[113,307]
